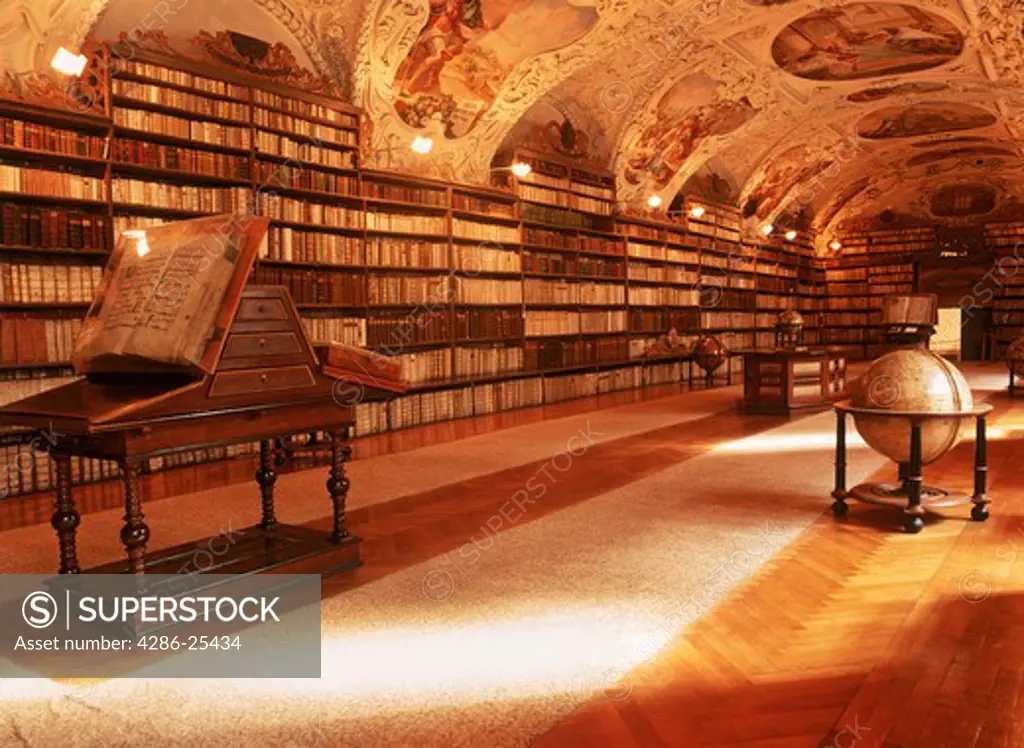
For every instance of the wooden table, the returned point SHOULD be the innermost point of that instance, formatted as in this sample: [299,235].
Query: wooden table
[783,381]
[267,383]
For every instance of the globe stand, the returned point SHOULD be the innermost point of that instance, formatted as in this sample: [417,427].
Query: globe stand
[912,494]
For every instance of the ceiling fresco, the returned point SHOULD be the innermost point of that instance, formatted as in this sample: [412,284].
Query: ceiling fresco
[865,40]
[923,119]
[832,111]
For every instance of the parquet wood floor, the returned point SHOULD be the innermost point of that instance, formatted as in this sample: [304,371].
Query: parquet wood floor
[854,635]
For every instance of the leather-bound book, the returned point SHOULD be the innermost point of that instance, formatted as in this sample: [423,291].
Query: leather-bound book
[347,362]
[168,295]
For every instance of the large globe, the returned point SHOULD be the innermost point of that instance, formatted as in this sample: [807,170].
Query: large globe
[1015,356]
[918,381]
[790,319]
[709,353]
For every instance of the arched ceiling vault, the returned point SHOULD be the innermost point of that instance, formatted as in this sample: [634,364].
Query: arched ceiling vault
[836,110]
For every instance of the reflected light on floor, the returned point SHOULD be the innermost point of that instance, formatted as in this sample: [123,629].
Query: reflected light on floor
[775,442]
[562,654]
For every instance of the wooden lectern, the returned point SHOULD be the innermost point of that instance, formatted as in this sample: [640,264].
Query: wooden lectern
[201,361]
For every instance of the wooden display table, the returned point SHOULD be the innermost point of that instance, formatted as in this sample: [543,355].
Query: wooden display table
[783,381]
[267,382]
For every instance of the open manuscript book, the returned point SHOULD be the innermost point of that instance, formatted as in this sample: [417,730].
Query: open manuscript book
[170,294]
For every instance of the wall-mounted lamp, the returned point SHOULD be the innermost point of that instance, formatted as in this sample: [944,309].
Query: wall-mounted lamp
[654,201]
[422,145]
[791,235]
[521,169]
[767,229]
[141,245]
[68,62]
[836,245]
[697,211]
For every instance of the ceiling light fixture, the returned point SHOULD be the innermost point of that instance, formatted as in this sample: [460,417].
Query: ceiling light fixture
[654,201]
[521,169]
[422,145]
[68,62]
[697,211]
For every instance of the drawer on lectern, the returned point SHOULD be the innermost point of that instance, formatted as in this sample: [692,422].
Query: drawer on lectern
[250,381]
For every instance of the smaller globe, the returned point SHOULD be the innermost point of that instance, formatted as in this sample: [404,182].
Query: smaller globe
[1015,356]
[912,380]
[709,353]
[790,319]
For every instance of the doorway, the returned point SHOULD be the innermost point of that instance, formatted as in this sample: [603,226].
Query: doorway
[948,337]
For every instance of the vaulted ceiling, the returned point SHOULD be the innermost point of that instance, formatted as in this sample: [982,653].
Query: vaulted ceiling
[826,112]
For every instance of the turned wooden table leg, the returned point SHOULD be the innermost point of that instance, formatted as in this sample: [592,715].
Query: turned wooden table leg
[337,483]
[839,506]
[135,533]
[979,512]
[65,519]
[912,521]
[266,477]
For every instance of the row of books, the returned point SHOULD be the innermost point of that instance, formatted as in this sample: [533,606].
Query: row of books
[33,136]
[312,154]
[540,323]
[408,223]
[195,104]
[844,319]
[392,334]
[485,291]
[181,196]
[291,175]
[315,131]
[303,108]
[475,204]
[384,290]
[488,324]
[544,354]
[541,291]
[425,366]
[24,469]
[404,193]
[726,320]
[495,232]
[481,258]
[608,321]
[311,287]
[179,77]
[52,228]
[178,158]
[653,296]
[489,361]
[324,327]
[199,131]
[51,183]
[27,340]
[406,253]
[657,321]
[308,212]
[295,245]
[40,284]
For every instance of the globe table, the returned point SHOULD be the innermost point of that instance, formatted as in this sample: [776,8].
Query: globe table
[919,499]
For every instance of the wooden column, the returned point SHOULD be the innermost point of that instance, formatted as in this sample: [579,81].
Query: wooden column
[337,483]
[65,519]
[912,521]
[266,478]
[979,512]
[839,506]
[135,533]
